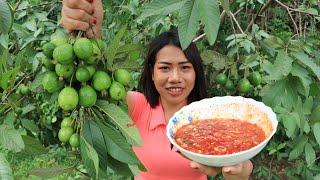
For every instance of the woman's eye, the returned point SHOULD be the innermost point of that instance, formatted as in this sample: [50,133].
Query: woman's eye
[186,67]
[164,68]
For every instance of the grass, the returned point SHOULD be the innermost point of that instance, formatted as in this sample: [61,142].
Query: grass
[57,156]
[22,164]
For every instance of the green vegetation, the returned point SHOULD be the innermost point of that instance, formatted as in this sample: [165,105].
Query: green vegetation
[266,50]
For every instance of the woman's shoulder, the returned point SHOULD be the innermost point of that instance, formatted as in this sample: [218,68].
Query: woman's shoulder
[134,96]
[136,100]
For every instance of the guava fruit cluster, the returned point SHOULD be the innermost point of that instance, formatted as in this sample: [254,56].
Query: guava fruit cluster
[74,69]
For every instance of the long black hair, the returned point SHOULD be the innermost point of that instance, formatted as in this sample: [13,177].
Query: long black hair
[146,84]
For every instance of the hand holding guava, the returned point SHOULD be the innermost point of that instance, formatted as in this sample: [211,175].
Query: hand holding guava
[85,15]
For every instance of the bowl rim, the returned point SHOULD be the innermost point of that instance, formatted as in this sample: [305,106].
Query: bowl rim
[269,111]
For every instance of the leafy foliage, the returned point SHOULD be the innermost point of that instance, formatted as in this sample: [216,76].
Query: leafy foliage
[6,18]
[281,44]
[5,169]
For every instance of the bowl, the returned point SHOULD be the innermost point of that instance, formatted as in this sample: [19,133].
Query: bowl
[226,107]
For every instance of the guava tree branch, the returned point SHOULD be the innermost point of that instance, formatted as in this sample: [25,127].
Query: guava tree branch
[294,23]
[256,16]
[222,16]
[237,23]
[292,9]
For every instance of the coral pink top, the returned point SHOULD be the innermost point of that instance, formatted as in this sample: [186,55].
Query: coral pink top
[155,153]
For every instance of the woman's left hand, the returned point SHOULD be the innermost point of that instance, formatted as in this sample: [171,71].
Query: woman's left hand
[238,171]
[235,172]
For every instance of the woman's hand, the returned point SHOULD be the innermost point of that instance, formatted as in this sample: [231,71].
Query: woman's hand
[207,170]
[236,172]
[85,15]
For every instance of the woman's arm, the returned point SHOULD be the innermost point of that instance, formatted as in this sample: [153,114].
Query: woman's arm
[85,15]
[130,101]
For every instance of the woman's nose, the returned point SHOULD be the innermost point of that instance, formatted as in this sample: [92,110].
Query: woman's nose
[175,76]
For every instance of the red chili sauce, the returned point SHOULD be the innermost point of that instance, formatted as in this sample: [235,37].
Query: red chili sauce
[219,136]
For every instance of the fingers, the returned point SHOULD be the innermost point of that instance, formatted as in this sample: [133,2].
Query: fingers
[84,15]
[239,171]
[210,171]
[236,169]
[79,4]
[94,31]
[72,24]
[77,14]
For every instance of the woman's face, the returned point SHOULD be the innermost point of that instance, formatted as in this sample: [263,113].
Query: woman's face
[173,75]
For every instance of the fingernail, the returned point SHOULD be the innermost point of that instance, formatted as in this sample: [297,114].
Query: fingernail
[193,165]
[226,169]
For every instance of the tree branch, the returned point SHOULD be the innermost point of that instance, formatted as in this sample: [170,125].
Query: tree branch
[222,16]
[256,16]
[235,20]
[294,23]
[296,10]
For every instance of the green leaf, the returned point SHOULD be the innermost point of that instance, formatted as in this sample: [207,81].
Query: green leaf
[5,169]
[247,45]
[281,67]
[4,40]
[31,25]
[210,16]
[290,123]
[93,135]
[114,46]
[129,47]
[10,118]
[89,158]
[311,11]
[28,108]
[236,36]
[117,146]
[298,148]
[225,5]
[188,21]
[30,125]
[50,172]
[11,139]
[316,132]
[214,59]
[310,154]
[33,146]
[303,76]
[119,167]
[281,92]
[305,60]
[36,84]
[8,78]
[307,105]
[6,17]
[271,44]
[160,7]
[121,120]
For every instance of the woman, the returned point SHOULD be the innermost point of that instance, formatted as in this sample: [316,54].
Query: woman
[171,79]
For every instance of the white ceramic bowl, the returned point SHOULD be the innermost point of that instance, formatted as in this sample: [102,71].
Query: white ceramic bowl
[229,107]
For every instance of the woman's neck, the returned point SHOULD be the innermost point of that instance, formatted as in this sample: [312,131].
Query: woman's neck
[170,109]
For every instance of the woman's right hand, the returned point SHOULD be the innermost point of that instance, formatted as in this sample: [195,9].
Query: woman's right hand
[85,15]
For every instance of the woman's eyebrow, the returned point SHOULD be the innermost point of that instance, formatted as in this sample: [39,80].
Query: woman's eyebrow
[185,62]
[166,62]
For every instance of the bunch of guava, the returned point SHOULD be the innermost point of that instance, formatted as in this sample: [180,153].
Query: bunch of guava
[74,68]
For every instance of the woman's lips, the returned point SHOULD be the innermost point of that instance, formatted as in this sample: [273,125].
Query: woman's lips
[175,91]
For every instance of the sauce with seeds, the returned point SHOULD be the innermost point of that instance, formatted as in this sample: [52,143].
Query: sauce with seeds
[219,136]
